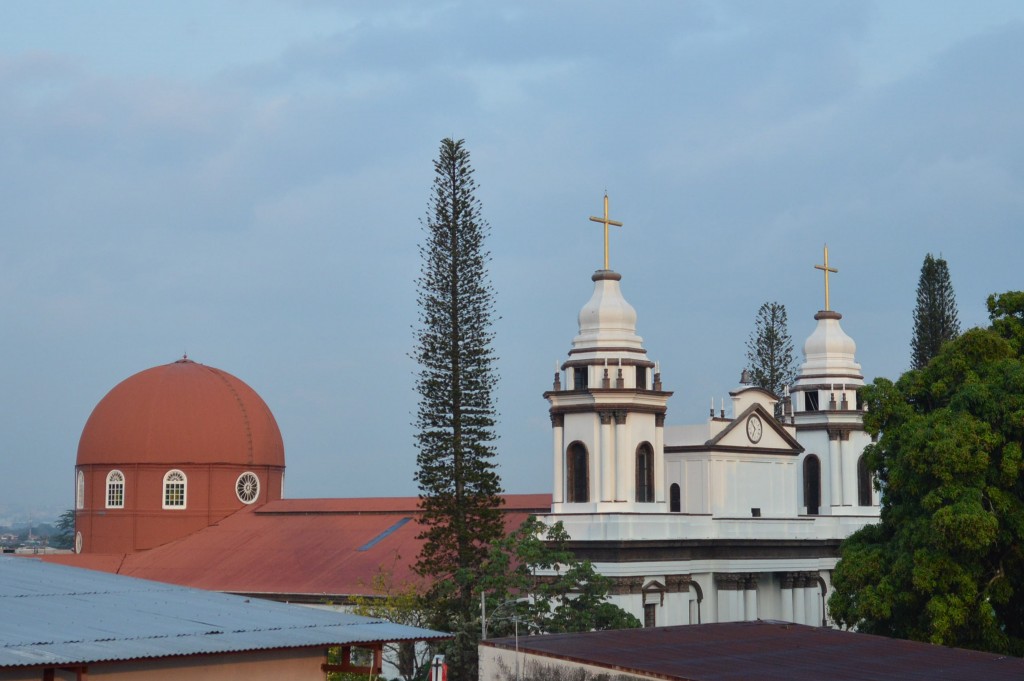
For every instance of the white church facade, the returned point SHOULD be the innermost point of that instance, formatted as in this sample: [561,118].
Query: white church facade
[736,518]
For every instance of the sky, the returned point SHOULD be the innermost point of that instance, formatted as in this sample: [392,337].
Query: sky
[245,182]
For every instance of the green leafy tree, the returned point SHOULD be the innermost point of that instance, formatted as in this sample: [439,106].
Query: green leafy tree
[770,349]
[531,576]
[459,485]
[935,316]
[401,604]
[946,562]
[65,536]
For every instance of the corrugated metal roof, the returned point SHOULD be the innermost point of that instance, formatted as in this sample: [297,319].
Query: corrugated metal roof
[293,548]
[54,615]
[772,651]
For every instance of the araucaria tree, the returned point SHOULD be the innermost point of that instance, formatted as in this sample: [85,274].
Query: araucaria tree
[935,316]
[946,562]
[458,481]
[770,349]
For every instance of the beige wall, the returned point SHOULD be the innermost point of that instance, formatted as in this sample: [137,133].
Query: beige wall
[282,665]
[499,664]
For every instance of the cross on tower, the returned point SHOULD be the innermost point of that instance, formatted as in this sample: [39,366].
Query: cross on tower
[826,269]
[605,221]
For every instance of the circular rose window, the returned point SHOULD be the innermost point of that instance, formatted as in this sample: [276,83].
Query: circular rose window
[247,488]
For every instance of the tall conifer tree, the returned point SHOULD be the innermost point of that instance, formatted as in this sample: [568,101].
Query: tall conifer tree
[459,485]
[770,349]
[935,316]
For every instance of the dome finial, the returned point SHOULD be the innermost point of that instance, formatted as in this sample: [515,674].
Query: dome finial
[606,221]
[826,269]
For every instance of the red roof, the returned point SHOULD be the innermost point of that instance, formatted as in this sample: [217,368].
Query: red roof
[181,413]
[296,548]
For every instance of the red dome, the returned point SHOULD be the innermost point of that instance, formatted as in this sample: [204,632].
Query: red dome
[181,413]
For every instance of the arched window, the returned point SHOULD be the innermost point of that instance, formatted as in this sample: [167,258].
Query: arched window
[577,462]
[812,484]
[175,487]
[115,489]
[644,473]
[80,490]
[675,503]
[863,482]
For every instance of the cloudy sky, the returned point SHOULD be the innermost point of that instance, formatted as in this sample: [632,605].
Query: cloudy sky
[244,182]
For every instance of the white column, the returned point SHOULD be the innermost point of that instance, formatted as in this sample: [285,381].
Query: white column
[849,459]
[787,597]
[750,601]
[607,478]
[799,603]
[623,458]
[659,458]
[558,449]
[835,468]
[812,596]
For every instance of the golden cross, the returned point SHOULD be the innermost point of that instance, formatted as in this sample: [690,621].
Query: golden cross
[605,221]
[826,269]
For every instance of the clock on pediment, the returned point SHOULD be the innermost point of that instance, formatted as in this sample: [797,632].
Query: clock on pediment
[754,428]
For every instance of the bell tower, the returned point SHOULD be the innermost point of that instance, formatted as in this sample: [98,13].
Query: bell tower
[828,414]
[608,412]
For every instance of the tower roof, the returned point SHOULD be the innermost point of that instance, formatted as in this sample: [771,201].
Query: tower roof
[829,353]
[181,413]
[607,322]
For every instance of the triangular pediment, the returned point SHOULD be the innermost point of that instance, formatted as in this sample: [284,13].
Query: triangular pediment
[757,430]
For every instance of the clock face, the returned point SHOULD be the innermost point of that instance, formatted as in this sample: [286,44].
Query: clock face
[754,428]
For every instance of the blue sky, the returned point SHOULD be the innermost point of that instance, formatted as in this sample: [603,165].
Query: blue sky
[244,182]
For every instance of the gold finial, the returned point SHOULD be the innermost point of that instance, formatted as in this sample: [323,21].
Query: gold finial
[826,269]
[605,221]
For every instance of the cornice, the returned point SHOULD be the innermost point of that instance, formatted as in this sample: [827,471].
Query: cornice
[625,551]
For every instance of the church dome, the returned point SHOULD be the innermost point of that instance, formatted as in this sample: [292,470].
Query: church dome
[828,351]
[181,413]
[607,320]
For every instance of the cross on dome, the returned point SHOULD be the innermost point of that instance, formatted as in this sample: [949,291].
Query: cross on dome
[606,221]
[826,269]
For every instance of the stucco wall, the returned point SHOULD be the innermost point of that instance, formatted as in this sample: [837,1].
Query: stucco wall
[282,665]
[499,664]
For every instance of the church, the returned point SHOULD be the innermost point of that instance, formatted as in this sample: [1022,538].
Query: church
[738,517]
[180,471]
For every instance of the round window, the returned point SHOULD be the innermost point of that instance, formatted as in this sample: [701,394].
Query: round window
[247,487]
[78,542]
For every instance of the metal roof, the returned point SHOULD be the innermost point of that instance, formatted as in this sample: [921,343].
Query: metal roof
[296,549]
[766,650]
[60,615]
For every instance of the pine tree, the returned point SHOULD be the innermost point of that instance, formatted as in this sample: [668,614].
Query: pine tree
[459,485]
[770,349]
[935,317]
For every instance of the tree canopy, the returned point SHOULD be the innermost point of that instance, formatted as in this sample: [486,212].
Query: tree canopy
[532,576]
[935,315]
[946,562]
[770,349]
[457,475]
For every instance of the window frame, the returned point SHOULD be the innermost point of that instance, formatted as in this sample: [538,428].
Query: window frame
[239,489]
[166,498]
[864,495]
[575,454]
[812,490]
[675,498]
[644,479]
[79,489]
[115,486]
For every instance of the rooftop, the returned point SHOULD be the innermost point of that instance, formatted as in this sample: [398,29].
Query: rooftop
[768,651]
[59,615]
[308,550]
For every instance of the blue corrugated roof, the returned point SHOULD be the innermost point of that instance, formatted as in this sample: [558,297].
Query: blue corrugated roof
[59,615]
